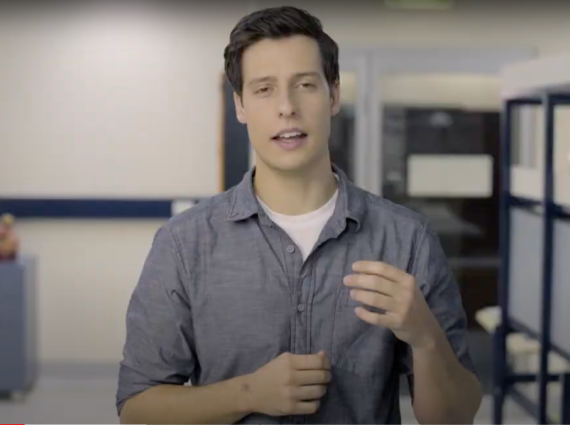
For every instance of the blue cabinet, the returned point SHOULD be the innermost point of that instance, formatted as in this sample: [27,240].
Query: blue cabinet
[18,337]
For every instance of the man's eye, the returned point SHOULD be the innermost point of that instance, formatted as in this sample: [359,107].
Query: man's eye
[262,90]
[307,85]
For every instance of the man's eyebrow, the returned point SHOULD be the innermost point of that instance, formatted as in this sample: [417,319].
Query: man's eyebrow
[259,80]
[296,76]
[307,74]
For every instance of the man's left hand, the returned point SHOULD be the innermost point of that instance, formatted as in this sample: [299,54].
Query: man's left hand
[380,285]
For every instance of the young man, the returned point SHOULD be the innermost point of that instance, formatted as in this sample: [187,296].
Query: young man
[295,297]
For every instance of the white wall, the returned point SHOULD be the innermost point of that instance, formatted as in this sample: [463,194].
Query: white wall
[126,104]
[498,23]
[104,105]
[155,106]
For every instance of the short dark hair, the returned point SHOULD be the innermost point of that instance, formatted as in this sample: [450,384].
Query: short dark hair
[276,23]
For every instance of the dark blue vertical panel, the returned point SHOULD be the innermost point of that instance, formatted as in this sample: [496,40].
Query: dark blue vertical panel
[236,142]
[499,339]
[565,414]
[549,107]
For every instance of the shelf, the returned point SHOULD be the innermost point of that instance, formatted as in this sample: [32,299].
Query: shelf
[519,344]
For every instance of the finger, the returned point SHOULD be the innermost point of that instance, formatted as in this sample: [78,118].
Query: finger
[373,299]
[312,377]
[371,283]
[380,269]
[310,362]
[306,407]
[375,319]
[326,362]
[310,392]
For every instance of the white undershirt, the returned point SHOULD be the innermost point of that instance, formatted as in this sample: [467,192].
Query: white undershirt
[304,229]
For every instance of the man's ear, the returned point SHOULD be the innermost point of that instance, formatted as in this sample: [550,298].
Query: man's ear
[335,98]
[240,112]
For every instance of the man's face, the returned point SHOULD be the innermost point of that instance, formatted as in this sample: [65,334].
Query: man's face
[286,103]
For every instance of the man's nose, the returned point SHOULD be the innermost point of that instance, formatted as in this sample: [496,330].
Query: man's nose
[287,106]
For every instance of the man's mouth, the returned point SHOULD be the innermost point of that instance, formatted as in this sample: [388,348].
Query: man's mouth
[289,136]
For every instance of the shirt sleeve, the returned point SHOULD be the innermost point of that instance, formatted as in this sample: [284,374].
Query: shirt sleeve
[158,347]
[441,291]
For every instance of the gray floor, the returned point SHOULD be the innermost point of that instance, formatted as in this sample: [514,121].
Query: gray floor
[66,395]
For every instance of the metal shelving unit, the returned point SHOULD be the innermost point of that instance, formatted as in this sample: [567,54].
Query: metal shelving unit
[535,239]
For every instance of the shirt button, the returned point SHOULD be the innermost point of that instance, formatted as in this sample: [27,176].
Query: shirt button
[301,307]
[290,249]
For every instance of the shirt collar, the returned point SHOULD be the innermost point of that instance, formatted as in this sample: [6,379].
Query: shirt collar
[351,203]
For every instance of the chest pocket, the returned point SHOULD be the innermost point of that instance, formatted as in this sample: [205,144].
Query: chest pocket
[357,346]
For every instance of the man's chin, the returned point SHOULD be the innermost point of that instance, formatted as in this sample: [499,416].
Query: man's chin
[290,166]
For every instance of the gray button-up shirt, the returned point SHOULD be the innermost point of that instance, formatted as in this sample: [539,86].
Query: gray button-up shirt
[224,291]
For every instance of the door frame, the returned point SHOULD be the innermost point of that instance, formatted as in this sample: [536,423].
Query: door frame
[370,63]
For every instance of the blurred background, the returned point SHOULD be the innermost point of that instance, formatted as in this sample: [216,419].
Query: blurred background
[114,118]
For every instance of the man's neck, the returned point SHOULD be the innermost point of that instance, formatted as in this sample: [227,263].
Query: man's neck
[295,193]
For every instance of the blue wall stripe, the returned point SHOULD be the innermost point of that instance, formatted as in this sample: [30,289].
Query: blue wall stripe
[89,208]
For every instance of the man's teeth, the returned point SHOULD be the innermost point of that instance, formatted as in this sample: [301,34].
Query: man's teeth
[289,135]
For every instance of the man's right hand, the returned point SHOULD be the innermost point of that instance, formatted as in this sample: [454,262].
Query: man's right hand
[291,384]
